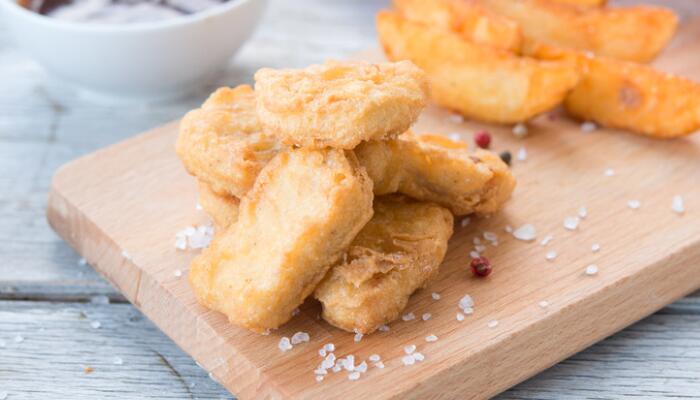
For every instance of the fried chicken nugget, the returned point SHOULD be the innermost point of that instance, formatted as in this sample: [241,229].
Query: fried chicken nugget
[222,143]
[397,252]
[222,208]
[434,168]
[303,212]
[340,104]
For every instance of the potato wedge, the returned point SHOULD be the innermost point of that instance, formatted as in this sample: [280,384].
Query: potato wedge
[466,17]
[480,82]
[627,33]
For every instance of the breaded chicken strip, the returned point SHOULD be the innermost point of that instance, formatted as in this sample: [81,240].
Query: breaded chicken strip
[222,208]
[397,252]
[222,143]
[434,168]
[340,104]
[301,215]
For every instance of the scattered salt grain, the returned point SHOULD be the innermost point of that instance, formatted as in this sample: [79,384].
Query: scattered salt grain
[466,302]
[329,347]
[300,337]
[543,304]
[82,261]
[375,358]
[177,273]
[362,368]
[465,222]
[328,362]
[408,317]
[322,352]
[198,207]
[522,154]
[677,204]
[591,269]
[409,349]
[418,356]
[476,241]
[588,127]
[353,376]
[490,236]
[126,255]
[435,296]
[349,363]
[194,237]
[571,223]
[319,378]
[634,204]
[431,338]
[358,337]
[408,360]
[455,118]
[3,395]
[609,172]
[545,241]
[479,248]
[460,317]
[384,328]
[474,254]
[582,212]
[455,137]
[379,365]
[426,316]
[95,324]
[117,361]
[551,255]
[337,368]
[508,229]
[284,344]
[520,130]
[493,323]
[19,339]
[595,247]
[526,233]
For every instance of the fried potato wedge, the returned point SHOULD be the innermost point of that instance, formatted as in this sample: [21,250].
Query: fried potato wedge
[636,33]
[222,142]
[340,104]
[466,17]
[396,253]
[480,82]
[221,208]
[436,169]
[301,215]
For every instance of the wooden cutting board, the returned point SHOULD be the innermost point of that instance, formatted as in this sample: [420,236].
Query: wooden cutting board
[121,207]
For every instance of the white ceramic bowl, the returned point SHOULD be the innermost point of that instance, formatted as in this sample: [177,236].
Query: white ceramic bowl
[147,60]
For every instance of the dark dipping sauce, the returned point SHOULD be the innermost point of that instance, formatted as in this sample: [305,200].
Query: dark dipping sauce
[117,11]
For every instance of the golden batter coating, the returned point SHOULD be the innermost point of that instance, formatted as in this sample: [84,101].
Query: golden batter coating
[434,168]
[222,143]
[340,104]
[397,252]
[221,208]
[303,212]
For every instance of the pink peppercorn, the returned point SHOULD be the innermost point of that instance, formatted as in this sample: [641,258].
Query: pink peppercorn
[482,139]
[481,267]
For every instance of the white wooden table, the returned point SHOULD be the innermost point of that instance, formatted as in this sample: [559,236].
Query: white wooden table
[58,319]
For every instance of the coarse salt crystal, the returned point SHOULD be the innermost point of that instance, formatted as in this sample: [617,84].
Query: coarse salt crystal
[454,137]
[117,361]
[468,311]
[543,304]
[418,356]
[465,222]
[551,255]
[337,368]
[431,338]
[591,269]
[198,207]
[349,363]
[466,302]
[322,352]
[3,395]
[609,172]
[426,316]
[319,378]
[571,223]
[358,337]
[595,247]
[526,233]
[588,126]
[490,236]
[329,347]
[362,368]
[520,130]
[300,337]
[177,273]
[409,349]
[474,254]
[374,358]
[408,317]
[408,360]
[284,344]
[479,248]
[455,118]
[383,328]
[460,317]
[82,261]
[379,365]
[493,323]
[677,204]
[582,212]
[126,255]
[95,324]
[508,229]
[353,376]
[522,154]
[634,204]
[19,339]
[435,296]
[545,241]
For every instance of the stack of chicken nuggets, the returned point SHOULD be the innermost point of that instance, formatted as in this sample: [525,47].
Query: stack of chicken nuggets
[316,187]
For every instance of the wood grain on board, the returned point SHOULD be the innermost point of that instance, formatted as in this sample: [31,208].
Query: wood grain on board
[121,207]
